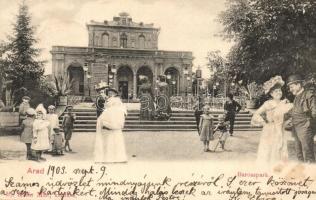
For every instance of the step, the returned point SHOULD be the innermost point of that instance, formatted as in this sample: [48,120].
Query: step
[130,126]
[169,129]
[93,123]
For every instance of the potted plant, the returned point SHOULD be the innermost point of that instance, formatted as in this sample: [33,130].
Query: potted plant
[63,88]
[252,91]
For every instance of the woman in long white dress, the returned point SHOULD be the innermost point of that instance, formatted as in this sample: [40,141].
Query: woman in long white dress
[109,142]
[273,141]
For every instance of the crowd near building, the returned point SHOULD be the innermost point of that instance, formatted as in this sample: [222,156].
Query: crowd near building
[118,53]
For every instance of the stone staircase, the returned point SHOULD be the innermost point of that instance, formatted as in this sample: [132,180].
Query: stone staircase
[180,121]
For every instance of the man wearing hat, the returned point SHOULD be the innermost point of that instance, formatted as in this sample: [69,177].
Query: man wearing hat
[303,119]
[101,99]
[23,108]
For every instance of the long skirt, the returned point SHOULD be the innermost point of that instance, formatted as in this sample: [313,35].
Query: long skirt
[273,144]
[110,146]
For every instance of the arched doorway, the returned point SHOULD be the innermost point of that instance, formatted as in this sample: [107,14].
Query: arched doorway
[76,77]
[144,71]
[173,80]
[125,81]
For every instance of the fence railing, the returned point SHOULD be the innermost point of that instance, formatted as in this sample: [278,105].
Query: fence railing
[187,103]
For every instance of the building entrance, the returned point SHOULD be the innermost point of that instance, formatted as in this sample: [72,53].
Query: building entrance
[123,89]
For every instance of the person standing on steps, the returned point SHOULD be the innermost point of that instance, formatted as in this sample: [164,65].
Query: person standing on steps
[231,108]
[198,111]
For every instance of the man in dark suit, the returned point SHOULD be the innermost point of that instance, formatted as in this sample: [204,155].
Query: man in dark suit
[303,119]
[231,108]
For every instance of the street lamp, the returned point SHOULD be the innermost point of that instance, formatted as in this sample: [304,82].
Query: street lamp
[114,70]
[173,82]
[85,69]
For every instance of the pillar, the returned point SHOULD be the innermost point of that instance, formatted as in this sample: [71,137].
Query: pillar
[134,85]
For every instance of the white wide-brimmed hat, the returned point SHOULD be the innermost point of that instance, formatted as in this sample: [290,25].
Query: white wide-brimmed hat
[272,83]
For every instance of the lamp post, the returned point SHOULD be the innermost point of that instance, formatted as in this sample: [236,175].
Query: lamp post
[88,76]
[114,70]
[173,87]
[168,81]
[186,72]
[186,88]
[85,69]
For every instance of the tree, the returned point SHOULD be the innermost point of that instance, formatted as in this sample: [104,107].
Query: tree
[220,74]
[272,37]
[22,66]
[3,49]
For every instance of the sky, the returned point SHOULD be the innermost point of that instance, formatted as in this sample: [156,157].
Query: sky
[186,25]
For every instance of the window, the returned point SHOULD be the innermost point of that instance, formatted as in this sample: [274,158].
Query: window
[123,41]
[124,21]
[105,39]
[141,42]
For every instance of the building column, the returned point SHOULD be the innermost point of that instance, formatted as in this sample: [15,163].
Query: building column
[114,81]
[134,85]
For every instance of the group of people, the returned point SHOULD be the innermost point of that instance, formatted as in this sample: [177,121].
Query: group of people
[282,119]
[41,132]
[154,106]
[225,126]
[109,139]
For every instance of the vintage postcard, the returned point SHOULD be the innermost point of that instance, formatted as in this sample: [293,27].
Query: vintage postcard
[157,99]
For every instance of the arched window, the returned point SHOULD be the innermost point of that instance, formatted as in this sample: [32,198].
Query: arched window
[123,41]
[141,40]
[105,39]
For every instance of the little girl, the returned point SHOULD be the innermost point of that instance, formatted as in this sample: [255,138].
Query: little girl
[54,123]
[41,128]
[206,127]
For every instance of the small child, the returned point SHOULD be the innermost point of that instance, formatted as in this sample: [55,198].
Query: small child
[41,128]
[68,125]
[206,127]
[58,142]
[54,123]
[27,132]
[223,127]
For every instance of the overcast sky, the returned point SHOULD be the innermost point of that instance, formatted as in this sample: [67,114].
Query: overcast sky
[186,25]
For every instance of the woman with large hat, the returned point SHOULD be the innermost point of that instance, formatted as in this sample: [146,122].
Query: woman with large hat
[147,107]
[109,141]
[273,140]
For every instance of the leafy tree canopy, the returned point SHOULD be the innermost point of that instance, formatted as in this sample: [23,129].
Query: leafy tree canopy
[273,37]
